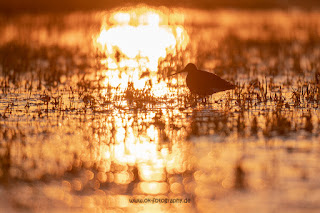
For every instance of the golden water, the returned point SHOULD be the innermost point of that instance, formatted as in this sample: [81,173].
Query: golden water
[91,122]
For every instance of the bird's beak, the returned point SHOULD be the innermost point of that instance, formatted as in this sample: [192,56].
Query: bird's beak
[181,71]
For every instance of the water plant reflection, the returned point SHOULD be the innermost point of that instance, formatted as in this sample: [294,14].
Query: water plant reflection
[86,136]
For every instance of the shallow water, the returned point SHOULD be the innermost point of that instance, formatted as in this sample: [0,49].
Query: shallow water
[89,120]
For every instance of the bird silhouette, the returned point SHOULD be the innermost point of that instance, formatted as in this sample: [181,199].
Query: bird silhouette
[204,83]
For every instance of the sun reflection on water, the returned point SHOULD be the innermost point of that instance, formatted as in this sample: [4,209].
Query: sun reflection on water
[134,41]
[116,128]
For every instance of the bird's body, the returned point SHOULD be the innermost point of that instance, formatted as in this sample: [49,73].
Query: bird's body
[204,83]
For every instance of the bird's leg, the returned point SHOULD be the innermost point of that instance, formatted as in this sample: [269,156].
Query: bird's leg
[194,104]
[193,100]
[203,100]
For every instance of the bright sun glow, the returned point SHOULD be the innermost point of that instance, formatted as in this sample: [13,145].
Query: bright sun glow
[134,41]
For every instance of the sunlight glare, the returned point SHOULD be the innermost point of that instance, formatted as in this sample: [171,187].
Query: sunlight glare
[134,41]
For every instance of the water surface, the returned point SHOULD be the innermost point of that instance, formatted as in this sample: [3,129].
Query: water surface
[89,120]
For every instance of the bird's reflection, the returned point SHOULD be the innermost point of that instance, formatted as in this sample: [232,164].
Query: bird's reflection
[209,122]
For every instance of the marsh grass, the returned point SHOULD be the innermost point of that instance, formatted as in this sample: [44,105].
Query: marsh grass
[62,126]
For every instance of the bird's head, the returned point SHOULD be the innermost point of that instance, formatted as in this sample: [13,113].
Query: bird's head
[189,68]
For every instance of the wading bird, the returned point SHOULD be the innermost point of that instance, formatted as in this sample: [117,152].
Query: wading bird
[204,83]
